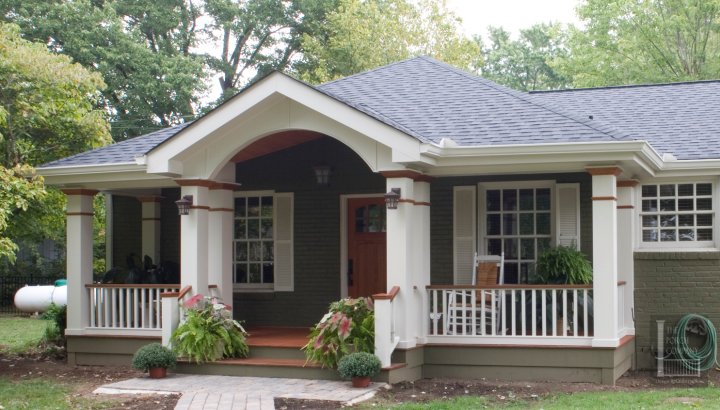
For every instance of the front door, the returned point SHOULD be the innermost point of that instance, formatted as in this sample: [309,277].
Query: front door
[367,254]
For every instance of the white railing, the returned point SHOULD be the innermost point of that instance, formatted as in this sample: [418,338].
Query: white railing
[385,338]
[514,311]
[127,307]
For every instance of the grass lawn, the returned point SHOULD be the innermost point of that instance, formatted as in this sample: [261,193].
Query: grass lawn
[19,334]
[706,398]
[42,394]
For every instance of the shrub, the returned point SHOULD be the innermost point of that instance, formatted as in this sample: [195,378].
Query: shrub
[55,331]
[209,332]
[564,265]
[359,364]
[350,323]
[153,355]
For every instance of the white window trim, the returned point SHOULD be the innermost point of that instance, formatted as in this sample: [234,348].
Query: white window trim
[482,208]
[251,287]
[677,246]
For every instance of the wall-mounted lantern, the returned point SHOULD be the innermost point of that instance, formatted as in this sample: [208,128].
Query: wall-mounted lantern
[392,198]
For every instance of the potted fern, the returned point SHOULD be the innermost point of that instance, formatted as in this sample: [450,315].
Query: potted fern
[155,359]
[360,367]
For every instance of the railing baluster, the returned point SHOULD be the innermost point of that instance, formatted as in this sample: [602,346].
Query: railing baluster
[585,313]
[136,309]
[554,312]
[534,312]
[107,306]
[522,312]
[502,313]
[113,300]
[473,313]
[565,316]
[575,312]
[543,310]
[483,323]
[433,315]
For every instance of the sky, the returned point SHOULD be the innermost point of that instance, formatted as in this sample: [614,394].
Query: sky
[513,15]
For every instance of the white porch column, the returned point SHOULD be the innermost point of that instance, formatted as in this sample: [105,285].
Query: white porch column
[408,254]
[605,257]
[79,257]
[627,227]
[194,237]
[220,239]
[151,227]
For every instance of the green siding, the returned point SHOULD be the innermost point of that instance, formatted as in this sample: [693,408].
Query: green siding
[441,216]
[317,227]
[169,226]
[669,285]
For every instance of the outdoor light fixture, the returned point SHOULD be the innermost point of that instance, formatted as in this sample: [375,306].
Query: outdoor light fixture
[392,198]
[183,204]
[322,174]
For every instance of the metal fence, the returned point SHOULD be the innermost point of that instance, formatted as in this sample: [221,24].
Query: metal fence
[10,284]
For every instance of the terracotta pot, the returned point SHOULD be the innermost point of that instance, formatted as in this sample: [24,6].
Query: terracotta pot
[158,372]
[358,381]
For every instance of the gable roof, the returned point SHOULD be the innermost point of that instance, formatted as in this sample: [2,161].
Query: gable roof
[430,100]
[677,118]
[123,152]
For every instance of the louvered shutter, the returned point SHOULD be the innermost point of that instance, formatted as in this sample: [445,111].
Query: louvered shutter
[283,235]
[464,236]
[568,215]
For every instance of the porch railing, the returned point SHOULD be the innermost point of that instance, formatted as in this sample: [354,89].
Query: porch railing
[385,338]
[127,307]
[515,311]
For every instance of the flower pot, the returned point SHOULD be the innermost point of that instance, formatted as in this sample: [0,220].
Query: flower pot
[361,381]
[158,372]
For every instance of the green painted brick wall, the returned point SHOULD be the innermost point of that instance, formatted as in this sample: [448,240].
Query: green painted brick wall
[317,230]
[669,285]
[441,214]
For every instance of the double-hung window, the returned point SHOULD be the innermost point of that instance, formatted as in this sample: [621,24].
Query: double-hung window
[262,241]
[677,214]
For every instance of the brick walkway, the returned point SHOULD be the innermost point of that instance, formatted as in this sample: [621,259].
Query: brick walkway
[240,393]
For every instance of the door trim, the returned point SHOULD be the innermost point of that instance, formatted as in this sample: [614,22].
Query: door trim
[344,237]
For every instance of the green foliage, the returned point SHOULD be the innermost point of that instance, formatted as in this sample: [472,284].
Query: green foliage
[629,41]
[349,322]
[55,331]
[153,355]
[19,188]
[359,364]
[361,35]
[564,265]
[209,332]
[525,64]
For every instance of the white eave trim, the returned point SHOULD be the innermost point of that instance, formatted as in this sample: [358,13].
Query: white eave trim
[91,169]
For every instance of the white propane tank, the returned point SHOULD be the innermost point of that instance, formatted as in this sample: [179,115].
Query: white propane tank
[33,299]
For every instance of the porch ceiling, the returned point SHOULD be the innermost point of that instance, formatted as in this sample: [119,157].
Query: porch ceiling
[274,143]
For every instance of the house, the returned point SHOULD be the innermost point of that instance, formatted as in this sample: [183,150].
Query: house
[286,181]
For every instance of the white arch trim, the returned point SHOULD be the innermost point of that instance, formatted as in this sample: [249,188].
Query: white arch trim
[279,103]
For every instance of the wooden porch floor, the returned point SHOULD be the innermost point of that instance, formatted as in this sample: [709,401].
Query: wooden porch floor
[289,337]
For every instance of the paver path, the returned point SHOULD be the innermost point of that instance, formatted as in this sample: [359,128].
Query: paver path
[201,392]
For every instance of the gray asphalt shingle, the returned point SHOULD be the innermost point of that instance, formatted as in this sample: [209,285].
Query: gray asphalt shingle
[121,152]
[678,118]
[430,100]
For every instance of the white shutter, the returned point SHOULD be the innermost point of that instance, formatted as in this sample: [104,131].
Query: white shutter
[568,215]
[464,237]
[283,236]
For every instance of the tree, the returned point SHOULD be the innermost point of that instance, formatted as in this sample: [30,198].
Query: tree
[47,111]
[258,36]
[525,64]
[646,41]
[361,35]
[142,48]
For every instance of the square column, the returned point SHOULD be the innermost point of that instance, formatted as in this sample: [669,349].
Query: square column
[627,227]
[151,227]
[220,239]
[408,254]
[605,256]
[194,237]
[79,257]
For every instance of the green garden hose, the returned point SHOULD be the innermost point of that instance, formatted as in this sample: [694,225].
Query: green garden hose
[702,358]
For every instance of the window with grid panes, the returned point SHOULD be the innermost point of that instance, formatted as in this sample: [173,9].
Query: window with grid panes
[518,224]
[253,243]
[673,213]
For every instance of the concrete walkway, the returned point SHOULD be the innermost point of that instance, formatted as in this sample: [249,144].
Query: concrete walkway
[240,393]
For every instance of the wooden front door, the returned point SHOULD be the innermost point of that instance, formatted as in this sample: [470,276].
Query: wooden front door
[367,250]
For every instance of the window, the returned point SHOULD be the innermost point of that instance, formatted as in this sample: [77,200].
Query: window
[518,223]
[677,213]
[253,241]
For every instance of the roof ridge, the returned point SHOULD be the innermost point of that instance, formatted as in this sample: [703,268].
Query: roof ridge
[604,128]
[611,87]
[372,70]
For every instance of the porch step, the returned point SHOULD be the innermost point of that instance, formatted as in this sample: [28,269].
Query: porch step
[274,368]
